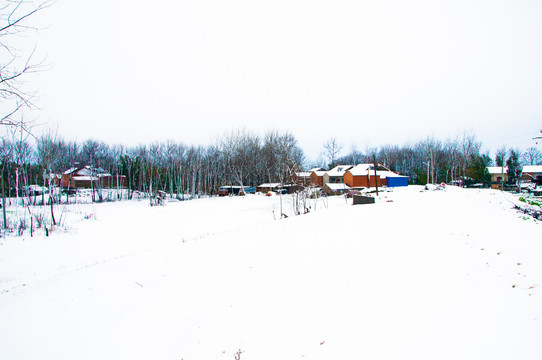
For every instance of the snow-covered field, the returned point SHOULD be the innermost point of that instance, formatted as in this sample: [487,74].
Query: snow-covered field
[452,274]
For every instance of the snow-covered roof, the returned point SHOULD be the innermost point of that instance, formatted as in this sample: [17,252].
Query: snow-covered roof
[337,186]
[69,171]
[269,185]
[532,169]
[85,178]
[339,170]
[320,173]
[34,187]
[315,169]
[384,174]
[303,174]
[86,171]
[494,170]
[363,169]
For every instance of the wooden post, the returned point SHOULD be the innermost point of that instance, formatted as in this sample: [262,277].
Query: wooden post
[376,176]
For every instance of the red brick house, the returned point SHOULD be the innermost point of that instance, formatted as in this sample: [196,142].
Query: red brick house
[363,175]
[317,178]
[304,178]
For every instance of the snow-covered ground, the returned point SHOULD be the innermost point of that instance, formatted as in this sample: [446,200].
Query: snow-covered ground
[453,274]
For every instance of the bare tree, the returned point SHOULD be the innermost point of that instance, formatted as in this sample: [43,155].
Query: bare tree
[240,149]
[16,62]
[6,153]
[370,151]
[47,152]
[290,156]
[354,157]
[195,166]
[469,146]
[500,159]
[451,149]
[332,149]
[532,156]
[500,156]
[433,157]
[269,160]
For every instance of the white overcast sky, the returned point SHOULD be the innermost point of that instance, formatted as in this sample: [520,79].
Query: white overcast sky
[369,73]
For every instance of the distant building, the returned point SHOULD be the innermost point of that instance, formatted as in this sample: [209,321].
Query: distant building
[336,175]
[235,190]
[317,177]
[364,175]
[394,180]
[532,174]
[335,188]
[268,187]
[304,178]
[499,175]
[88,177]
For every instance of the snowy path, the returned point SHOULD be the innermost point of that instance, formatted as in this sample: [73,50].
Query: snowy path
[448,275]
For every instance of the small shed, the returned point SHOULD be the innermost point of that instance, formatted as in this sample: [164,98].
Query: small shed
[499,175]
[362,199]
[532,174]
[268,187]
[335,188]
[394,180]
[236,190]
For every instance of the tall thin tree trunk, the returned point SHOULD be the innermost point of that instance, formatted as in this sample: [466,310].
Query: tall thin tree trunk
[4,202]
[51,197]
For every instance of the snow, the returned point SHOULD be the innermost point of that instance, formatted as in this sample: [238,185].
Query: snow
[69,171]
[337,186]
[360,169]
[532,169]
[497,170]
[315,169]
[320,173]
[339,170]
[451,274]
[365,169]
[270,185]
[385,174]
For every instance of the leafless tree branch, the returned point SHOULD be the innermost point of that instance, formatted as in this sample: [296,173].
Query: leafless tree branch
[16,64]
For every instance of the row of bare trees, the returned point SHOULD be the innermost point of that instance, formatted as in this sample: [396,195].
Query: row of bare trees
[429,160]
[238,158]
[433,160]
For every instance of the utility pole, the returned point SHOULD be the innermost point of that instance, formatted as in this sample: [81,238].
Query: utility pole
[426,163]
[432,168]
[376,176]
[502,172]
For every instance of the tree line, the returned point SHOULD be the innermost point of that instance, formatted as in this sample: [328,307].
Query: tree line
[240,158]
[457,160]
